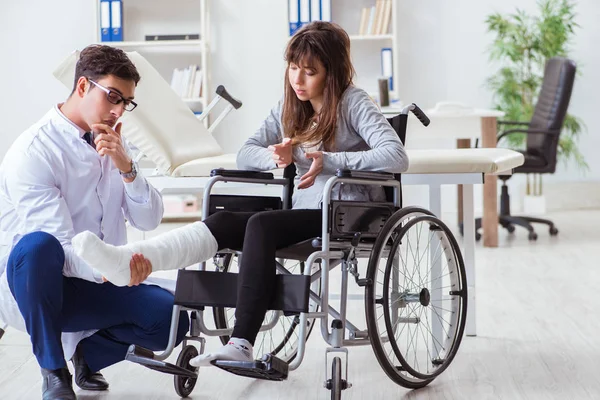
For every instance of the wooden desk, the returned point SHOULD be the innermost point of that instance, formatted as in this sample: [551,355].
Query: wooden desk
[464,126]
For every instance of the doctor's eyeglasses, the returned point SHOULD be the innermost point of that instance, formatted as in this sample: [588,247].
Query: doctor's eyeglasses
[115,98]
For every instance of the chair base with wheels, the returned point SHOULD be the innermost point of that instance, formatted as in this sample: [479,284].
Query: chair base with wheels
[508,221]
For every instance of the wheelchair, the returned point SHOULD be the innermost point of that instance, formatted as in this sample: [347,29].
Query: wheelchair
[415,288]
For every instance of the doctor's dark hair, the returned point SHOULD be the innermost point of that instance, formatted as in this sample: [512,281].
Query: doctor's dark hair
[329,44]
[97,61]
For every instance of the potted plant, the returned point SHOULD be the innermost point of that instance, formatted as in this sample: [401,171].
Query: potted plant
[522,44]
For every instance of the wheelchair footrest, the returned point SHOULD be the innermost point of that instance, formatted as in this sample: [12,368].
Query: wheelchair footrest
[145,357]
[269,368]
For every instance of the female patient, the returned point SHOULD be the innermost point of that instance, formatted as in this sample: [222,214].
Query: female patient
[322,123]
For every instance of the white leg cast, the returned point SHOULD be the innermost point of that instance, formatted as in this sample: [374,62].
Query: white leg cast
[175,249]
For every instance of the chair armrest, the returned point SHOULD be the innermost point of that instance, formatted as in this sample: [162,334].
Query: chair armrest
[373,175]
[513,123]
[240,173]
[527,131]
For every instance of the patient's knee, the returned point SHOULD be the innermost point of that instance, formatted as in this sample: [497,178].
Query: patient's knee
[263,223]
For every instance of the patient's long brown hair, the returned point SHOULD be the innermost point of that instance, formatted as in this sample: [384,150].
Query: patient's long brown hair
[330,44]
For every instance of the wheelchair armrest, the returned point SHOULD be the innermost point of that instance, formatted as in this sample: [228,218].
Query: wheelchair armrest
[373,175]
[240,173]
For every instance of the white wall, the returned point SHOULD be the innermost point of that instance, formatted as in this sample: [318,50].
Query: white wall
[441,59]
[34,37]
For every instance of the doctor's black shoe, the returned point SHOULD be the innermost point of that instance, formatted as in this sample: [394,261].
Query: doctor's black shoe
[84,378]
[57,385]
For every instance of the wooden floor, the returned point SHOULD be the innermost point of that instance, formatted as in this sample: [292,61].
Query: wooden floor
[538,337]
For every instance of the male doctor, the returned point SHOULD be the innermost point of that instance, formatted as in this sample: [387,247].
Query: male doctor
[66,174]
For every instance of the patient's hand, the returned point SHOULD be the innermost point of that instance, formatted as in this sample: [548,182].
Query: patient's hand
[282,153]
[308,179]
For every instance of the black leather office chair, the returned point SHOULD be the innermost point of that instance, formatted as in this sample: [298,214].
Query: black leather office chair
[542,138]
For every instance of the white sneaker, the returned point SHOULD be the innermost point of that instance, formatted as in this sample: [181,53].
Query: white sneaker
[235,350]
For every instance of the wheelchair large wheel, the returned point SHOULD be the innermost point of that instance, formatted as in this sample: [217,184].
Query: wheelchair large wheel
[417,303]
[281,340]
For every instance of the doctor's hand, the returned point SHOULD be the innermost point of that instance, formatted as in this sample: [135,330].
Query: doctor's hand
[282,153]
[308,179]
[108,142]
[141,268]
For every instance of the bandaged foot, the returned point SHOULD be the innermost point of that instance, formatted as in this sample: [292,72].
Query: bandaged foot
[235,350]
[179,248]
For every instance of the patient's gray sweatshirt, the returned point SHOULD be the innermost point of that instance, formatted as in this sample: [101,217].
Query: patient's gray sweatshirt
[364,140]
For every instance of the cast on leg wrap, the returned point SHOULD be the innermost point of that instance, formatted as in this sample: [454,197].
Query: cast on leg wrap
[175,249]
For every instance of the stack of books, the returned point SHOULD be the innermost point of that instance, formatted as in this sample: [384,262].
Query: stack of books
[376,20]
[187,82]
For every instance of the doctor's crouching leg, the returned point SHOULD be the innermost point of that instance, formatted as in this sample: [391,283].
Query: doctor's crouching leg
[52,304]
[34,274]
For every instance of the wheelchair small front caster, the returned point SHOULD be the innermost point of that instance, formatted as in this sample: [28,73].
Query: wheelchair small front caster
[336,384]
[553,231]
[532,236]
[185,385]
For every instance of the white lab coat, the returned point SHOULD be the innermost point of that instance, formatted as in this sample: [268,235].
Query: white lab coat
[51,180]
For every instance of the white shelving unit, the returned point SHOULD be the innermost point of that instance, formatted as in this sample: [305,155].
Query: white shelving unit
[158,17]
[366,49]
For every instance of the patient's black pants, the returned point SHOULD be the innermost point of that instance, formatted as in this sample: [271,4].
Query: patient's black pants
[259,235]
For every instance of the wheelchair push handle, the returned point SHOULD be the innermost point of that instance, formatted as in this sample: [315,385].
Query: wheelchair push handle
[221,91]
[418,113]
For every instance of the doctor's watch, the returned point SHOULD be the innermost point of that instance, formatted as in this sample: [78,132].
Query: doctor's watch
[131,174]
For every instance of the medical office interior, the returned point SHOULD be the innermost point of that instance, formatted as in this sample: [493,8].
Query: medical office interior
[531,325]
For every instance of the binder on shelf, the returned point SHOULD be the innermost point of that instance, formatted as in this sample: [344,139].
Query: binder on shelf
[320,10]
[304,7]
[387,66]
[116,20]
[326,10]
[294,15]
[315,10]
[105,31]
